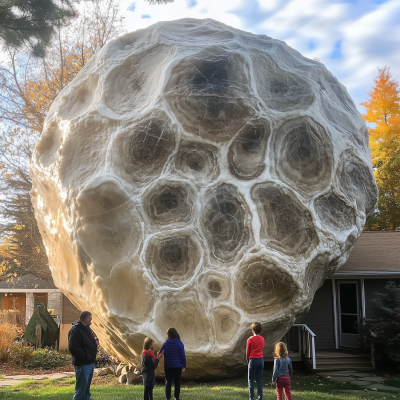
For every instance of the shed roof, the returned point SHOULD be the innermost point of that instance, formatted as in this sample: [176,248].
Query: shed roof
[27,282]
[375,251]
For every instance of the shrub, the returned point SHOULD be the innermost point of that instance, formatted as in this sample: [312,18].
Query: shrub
[103,359]
[384,332]
[8,333]
[47,359]
[20,352]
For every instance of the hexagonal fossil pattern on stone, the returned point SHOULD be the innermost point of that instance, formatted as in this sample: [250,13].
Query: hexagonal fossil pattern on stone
[197,176]
[209,93]
[224,222]
[173,258]
[246,155]
[170,202]
[303,155]
[286,224]
[261,287]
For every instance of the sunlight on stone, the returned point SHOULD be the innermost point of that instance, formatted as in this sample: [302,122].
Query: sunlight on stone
[198,176]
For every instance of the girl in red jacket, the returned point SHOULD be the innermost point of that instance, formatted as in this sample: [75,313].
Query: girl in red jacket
[149,364]
[255,360]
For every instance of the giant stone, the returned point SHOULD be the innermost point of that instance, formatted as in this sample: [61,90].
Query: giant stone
[197,176]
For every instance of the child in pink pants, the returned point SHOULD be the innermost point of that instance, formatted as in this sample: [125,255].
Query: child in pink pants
[282,371]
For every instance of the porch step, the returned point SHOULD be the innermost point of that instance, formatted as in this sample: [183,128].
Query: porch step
[349,367]
[342,361]
[331,355]
[341,368]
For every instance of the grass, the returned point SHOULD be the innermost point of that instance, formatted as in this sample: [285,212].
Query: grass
[393,381]
[305,386]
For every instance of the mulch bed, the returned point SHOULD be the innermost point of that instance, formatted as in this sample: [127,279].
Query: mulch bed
[106,380]
[15,369]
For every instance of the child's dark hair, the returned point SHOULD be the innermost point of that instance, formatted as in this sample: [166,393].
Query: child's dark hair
[172,333]
[256,327]
[147,343]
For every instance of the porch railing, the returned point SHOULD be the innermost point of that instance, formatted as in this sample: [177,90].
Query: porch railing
[300,339]
[373,361]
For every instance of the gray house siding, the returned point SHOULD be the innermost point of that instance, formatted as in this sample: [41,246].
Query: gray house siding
[320,317]
[70,312]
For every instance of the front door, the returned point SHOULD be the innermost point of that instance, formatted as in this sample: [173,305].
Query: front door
[349,314]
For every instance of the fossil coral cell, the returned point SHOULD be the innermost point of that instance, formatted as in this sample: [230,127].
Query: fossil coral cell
[198,176]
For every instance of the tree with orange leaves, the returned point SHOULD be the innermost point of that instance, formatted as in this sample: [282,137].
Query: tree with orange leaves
[383,110]
[7,247]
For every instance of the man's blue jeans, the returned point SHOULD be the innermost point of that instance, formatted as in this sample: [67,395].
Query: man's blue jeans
[84,375]
[256,368]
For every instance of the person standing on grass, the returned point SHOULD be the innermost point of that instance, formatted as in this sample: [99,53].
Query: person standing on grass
[82,344]
[283,371]
[174,362]
[255,360]
[149,365]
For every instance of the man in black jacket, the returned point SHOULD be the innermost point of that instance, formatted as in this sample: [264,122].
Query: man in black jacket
[82,343]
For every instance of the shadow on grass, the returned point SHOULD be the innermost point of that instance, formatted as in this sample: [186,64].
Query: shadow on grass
[304,387]
[393,381]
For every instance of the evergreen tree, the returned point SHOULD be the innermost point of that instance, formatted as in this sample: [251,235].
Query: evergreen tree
[387,302]
[384,331]
[33,23]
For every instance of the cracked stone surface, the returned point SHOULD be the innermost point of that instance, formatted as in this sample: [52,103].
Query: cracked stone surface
[358,383]
[384,388]
[198,176]
[372,378]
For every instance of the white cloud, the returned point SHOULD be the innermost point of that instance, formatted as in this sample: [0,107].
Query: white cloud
[215,9]
[368,32]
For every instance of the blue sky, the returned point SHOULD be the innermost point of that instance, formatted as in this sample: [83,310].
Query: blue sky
[351,37]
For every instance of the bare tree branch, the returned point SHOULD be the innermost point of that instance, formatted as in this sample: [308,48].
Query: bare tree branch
[28,87]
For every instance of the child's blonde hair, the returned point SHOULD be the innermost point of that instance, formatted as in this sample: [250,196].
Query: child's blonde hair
[280,350]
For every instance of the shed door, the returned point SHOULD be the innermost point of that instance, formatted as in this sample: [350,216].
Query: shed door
[349,314]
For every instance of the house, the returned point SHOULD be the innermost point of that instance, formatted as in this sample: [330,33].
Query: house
[345,298]
[27,292]
[326,337]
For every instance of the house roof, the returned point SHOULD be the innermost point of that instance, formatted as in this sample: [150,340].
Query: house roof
[375,251]
[27,282]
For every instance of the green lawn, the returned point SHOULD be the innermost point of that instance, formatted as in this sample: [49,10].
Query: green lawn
[304,387]
[393,381]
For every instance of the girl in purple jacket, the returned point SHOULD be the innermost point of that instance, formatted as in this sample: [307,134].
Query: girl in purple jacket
[174,362]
